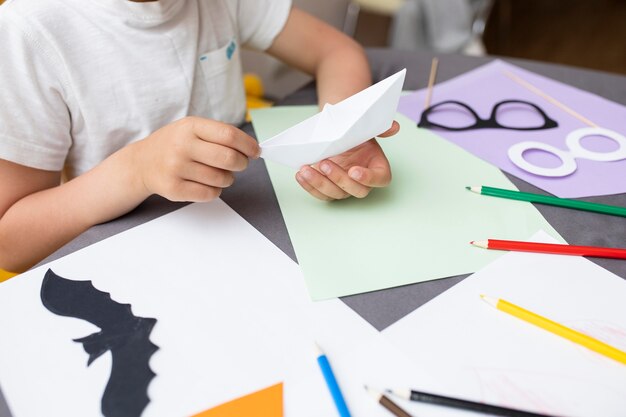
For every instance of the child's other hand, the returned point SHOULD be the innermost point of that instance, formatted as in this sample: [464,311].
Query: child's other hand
[193,159]
[352,173]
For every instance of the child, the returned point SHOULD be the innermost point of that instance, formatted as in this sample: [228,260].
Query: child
[134,98]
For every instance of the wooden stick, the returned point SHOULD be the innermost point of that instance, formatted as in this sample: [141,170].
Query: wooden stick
[431,81]
[552,100]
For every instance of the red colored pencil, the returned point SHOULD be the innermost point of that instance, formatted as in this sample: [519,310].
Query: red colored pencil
[594,251]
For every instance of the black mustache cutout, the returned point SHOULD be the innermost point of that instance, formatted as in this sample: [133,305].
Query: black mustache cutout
[124,334]
[491,123]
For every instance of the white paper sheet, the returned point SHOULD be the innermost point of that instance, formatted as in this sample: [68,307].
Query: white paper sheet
[339,127]
[233,317]
[484,354]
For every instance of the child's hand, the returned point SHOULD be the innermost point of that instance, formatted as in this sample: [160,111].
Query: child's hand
[352,173]
[193,159]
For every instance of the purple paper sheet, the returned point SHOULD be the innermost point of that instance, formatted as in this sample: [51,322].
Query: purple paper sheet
[487,85]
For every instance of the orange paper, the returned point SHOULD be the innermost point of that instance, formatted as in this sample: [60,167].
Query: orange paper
[265,403]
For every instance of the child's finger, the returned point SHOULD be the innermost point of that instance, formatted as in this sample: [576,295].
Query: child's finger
[194,192]
[395,128]
[309,188]
[203,174]
[322,184]
[218,156]
[341,178]
[376,176]
[226,135]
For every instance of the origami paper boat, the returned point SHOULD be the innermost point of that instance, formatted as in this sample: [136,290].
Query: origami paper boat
[338,127]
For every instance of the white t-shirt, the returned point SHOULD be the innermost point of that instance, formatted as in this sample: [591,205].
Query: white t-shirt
[80,79]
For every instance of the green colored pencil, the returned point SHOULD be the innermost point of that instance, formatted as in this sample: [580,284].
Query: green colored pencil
[550,200]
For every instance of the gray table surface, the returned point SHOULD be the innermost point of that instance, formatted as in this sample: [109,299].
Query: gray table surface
[252,195]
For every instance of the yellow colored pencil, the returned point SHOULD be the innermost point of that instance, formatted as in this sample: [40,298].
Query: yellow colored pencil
[556,328]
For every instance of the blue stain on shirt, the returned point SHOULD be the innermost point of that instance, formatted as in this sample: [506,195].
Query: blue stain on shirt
[231,49]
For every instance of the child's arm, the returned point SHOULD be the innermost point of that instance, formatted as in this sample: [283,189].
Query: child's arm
[188,160]
[340,66]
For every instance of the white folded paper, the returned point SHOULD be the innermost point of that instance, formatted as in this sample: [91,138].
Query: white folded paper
[338,127]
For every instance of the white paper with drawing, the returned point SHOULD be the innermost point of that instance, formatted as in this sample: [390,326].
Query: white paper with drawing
[484,354]
[338,127]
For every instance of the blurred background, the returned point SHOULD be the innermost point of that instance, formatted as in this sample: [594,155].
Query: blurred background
[584,33]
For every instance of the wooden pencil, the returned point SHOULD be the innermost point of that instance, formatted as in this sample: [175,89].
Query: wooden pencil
[383,400]
[557,329]
[550,200]
[461,404]
[553,248]
[331,382]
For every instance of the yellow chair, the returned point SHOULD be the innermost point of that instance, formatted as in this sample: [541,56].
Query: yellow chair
[5,275]
[254,93]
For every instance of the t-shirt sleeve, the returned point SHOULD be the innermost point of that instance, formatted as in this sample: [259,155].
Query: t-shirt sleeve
[34,117]
[260,21]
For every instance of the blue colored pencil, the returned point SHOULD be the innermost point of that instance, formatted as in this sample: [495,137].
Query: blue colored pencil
[331,381]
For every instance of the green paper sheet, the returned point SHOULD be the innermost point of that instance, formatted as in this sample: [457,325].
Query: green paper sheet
[414,230]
